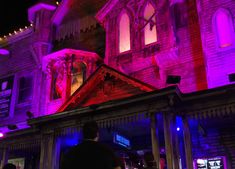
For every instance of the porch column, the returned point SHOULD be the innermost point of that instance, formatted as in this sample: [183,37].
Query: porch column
[50,152]
[171,141]
[4,156]
[154,139]
[187,144]
[168,142]
[175,143]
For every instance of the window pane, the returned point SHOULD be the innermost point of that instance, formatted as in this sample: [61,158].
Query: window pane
[124,33]
[25,89]
[78,76]
[224,29]
[150,30]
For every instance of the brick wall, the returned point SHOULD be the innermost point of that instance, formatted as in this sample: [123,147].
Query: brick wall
[179,50]
[220,62]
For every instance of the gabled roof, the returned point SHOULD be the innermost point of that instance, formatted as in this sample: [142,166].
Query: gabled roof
[104,85]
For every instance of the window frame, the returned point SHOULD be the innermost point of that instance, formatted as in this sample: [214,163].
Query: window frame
[143,23]
[215,29]
[125,11]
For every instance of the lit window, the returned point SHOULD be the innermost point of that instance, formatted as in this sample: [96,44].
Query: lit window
[150,30]
[57,82]
[124,33]
[78,75]
[25,89]
[224,28]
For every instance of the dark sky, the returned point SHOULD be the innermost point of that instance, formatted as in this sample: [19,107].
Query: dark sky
[13,15]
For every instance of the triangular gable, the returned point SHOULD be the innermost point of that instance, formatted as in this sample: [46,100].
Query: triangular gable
[104,85]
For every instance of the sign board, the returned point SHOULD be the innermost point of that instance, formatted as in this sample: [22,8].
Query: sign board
[121,140]
[18,162]
[210,163]
[6,86]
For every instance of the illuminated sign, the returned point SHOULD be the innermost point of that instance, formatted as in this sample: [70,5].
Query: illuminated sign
[18,162]
[118,139]
[210,163]
[6,86]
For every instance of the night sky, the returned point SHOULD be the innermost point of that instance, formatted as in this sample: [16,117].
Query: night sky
[13,15]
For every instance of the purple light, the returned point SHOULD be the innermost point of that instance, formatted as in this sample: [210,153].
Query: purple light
[1,135]
[178,129]
[4,52]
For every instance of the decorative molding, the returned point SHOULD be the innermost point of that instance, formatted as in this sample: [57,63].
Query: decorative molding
[36,8]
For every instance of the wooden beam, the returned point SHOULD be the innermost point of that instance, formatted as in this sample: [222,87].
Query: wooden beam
[187,144]
[175,143]
[4,157]
[154,139]
[168,141]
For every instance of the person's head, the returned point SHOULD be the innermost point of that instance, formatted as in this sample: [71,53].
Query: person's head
[91,130]
[9,166]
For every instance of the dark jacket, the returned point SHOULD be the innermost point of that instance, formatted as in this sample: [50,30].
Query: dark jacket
[90,155]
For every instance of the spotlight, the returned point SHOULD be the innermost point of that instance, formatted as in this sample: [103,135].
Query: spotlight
[173,79]
[1,135]
[178,129]
[29,114]
[12,127]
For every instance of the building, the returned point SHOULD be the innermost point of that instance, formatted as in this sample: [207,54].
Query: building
[162,68]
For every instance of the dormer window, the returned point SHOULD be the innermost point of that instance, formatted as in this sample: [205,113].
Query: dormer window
[150,29]
[224,28]
[124,33]
[78,75]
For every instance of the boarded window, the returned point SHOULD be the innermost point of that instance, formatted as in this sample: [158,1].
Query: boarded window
[25,89]
[150,30]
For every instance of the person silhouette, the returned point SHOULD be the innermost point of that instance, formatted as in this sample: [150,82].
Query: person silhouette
[90,153]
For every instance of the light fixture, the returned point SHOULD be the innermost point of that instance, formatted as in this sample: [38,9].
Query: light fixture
[231,77]
[173,79]
[12,127]
[4,52]
[178,129]
[1,135]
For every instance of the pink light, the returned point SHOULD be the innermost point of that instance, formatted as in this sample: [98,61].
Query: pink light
[224,28]
[124,33]
[150,32]
[1,135]
[4,52]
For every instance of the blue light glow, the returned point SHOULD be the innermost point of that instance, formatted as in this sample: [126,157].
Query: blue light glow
[118,139]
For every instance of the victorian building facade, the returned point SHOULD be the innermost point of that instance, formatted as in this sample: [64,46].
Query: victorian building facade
[159,72]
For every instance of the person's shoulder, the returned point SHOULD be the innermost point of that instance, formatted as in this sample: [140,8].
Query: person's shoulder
[104,146]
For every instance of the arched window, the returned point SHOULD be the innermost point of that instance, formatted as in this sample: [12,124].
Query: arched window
[78,75]
[150,30]
[124,33]
[224,28]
